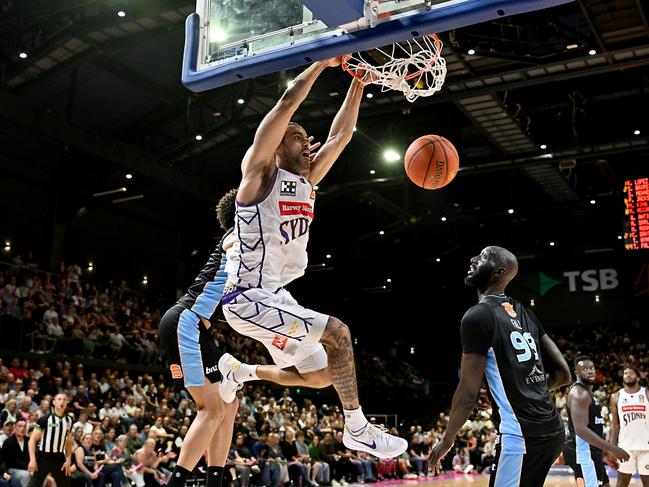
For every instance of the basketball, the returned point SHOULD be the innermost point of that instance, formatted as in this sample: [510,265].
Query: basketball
[431,162]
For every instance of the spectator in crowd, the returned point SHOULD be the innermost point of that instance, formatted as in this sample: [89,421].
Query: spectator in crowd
[85,462]
[16,454]
[9,413]
[7,431]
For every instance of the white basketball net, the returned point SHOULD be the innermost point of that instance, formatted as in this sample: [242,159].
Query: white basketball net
[414,67]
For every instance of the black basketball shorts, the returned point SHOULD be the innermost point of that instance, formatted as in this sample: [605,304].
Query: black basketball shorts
[191,352]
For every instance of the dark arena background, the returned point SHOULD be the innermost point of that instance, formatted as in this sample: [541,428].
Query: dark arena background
[110,171]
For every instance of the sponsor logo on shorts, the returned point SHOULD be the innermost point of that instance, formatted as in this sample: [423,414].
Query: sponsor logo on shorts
[510,310]
[213,368]
[287,208]
[176,371]
[288,188]
[280,342]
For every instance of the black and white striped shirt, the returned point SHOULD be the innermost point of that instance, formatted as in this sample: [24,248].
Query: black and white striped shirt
[55,430]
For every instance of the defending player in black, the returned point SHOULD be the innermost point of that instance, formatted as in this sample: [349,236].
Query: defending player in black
[505,342]
[585,439]
[193,357]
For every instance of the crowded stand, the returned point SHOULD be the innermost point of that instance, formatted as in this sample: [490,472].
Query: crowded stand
[130,422]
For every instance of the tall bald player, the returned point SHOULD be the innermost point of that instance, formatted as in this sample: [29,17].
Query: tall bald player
[504,341]
[630,427]
[275,205]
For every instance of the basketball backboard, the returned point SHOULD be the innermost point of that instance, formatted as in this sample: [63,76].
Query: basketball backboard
[230,40]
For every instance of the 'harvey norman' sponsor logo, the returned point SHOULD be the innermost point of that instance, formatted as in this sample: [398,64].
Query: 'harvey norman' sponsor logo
[287,208]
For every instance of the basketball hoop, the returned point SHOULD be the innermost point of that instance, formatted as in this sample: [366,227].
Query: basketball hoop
[414,67]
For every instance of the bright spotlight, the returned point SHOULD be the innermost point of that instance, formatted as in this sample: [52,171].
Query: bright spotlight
[510,211]
[217,34]
[471,52]
[592,52]
[391,155]
[543,146]
[129,176]
[199,137]
[121,13]
[241,101]
[22,55]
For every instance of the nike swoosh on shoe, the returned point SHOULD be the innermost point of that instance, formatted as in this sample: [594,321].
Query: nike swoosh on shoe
[372,446]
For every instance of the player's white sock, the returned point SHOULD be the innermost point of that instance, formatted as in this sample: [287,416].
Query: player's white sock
[246,372]
[355,419]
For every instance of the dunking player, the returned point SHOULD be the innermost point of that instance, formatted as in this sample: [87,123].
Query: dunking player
[193,356]
[504,341]
[274,211]
[585,439]
[630,427]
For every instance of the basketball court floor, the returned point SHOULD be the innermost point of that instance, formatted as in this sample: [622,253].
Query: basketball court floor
[483,481]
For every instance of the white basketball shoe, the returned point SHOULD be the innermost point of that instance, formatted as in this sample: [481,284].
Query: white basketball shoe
[229,386]
[375,441]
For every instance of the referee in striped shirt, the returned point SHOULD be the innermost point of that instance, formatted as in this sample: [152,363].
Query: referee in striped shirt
[50,446]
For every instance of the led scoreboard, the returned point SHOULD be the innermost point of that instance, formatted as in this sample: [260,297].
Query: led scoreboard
[636,213]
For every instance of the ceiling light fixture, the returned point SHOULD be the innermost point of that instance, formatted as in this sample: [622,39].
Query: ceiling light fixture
[121,13]
[22,55]
[543,146]
[471,52]
[592,52]
[390,155]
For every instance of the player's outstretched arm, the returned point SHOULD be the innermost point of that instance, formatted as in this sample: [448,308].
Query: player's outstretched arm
[579,402]
[340,133]
[615,419]
[464,400]
[554,363]
[260,157]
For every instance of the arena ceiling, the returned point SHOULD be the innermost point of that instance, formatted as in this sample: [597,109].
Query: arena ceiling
[96,96]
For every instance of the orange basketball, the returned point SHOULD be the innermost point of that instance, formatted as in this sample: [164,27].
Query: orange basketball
[431,162]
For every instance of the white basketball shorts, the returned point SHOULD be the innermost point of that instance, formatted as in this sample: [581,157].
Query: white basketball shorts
[639,462]
[290,332]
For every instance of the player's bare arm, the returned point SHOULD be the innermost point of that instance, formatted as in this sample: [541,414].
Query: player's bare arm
[259,162]
[615,419]
[340,133]
[464,400]
[554,364]
[579,402]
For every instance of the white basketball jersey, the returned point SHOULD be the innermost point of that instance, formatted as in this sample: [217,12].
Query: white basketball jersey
[272,235]
[632,410]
